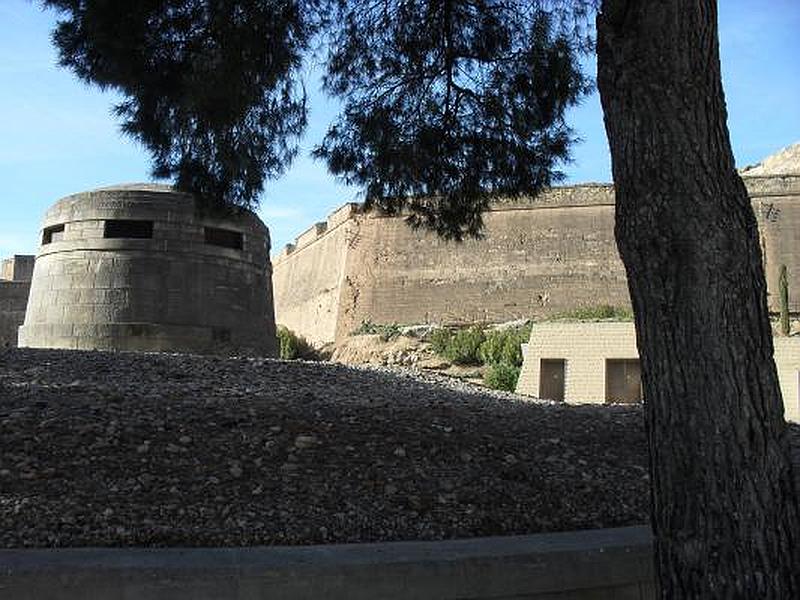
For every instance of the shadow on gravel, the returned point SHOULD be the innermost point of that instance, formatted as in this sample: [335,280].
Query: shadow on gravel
[124,449]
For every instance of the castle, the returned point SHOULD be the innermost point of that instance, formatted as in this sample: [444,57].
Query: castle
[140,267]
[540,256]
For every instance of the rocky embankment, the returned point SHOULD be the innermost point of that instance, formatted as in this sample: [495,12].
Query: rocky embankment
[109,449]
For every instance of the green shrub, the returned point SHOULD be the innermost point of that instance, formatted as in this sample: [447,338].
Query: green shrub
[367,327]
[505,346]
[293,346]
[439,340]
[783,288]
[463,347]
[389,332]
[386,332]
[594,313]
[501,376]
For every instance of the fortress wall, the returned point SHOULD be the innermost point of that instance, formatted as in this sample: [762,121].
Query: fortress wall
[13,299]
[17,268]
[308,278]
[776,202]
[532,262]
[540,256]
[15,284]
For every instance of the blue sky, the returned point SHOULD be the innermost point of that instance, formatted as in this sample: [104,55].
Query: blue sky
[57,135]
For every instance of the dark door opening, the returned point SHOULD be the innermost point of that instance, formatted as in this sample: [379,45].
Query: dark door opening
[623,381]
[551,379]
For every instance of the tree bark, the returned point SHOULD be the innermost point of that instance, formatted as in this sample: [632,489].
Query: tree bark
[724,510]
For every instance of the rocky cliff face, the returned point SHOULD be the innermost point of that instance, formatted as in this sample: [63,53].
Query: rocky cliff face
[784,162]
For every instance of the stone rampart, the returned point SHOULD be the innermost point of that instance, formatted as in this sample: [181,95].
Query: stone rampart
[17,268]
[540,256]
[776,201]
[13,299]
[15,283]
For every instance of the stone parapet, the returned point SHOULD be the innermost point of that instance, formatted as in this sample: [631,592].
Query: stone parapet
[539,257]
[772,185]
[340,216]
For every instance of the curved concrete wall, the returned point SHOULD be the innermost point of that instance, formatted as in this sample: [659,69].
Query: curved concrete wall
[539,256]
[138,268]
[600,564]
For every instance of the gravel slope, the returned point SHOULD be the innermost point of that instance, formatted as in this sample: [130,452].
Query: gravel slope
[108,449]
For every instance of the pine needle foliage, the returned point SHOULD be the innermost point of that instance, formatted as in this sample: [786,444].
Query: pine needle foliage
[447,103]
[209,87]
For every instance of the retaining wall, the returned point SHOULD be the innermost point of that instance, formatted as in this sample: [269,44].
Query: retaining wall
[539,257]
[588,565]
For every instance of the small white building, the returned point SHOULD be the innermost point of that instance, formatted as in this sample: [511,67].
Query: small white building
[598,362]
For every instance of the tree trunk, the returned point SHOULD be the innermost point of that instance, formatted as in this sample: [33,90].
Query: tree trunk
[724,510]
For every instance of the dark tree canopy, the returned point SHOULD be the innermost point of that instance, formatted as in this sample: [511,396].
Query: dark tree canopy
[448,102]
[210,86]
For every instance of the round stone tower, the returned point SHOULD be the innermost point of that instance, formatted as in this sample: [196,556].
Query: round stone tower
[138,267]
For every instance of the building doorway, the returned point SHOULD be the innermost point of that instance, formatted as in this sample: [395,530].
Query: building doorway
[623,381]
[551,379]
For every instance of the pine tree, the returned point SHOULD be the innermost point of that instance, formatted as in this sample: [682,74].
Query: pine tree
[209,87]
[448,102]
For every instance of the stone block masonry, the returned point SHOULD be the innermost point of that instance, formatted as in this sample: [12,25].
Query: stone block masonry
[17,268]
[539,257]
[585,347]
[13,299]
[15,284]
[141,268]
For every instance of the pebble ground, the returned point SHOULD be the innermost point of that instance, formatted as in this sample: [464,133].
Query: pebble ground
[130,449]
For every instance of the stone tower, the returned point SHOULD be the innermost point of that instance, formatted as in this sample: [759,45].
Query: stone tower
[138,267]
